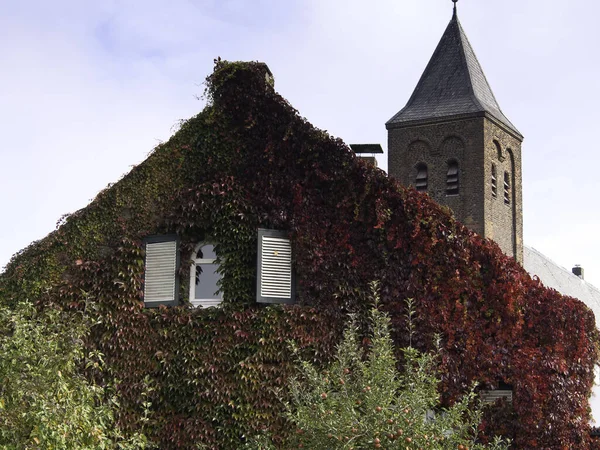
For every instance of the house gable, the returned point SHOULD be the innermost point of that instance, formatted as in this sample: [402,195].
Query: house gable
[249,161]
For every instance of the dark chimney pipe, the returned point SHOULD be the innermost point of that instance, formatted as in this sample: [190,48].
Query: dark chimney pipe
[578,270]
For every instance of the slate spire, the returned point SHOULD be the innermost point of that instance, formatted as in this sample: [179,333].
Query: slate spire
[453,84]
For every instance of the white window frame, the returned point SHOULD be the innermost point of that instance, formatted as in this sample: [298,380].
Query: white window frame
[208,302]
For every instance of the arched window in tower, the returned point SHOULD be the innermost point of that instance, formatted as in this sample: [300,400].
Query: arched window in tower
[452,181]
[499,152]
[506,188]
[494,181]
[422,177]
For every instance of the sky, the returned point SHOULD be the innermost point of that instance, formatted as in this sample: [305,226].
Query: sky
[88,89]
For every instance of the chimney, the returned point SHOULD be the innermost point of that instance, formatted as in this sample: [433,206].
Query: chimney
[578,270]
[361,149]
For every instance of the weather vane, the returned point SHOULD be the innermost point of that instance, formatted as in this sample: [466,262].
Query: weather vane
[455,6]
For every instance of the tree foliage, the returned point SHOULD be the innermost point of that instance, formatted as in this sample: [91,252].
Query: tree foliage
[45,401]
[363,401]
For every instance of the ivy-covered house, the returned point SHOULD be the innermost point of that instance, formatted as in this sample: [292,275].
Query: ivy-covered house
[249,205]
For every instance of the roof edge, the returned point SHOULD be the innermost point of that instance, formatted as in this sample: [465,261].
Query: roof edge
[390,125]
[465,41]
[562,268]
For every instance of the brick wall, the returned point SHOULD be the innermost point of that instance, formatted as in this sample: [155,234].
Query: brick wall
[470,142]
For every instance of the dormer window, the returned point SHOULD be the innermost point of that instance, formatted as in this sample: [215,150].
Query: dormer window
[452,181]
[204,277]
[506,188]
[494,181]
[422,178]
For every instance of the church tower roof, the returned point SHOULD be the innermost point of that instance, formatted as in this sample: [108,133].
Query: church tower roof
[453,84]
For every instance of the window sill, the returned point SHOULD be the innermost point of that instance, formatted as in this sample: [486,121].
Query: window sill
[206,303]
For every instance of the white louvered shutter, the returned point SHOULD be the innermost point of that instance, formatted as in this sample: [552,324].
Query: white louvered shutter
[275,275]
[160,283]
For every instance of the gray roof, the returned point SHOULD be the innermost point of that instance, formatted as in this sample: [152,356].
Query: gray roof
[453,84]
[561,279]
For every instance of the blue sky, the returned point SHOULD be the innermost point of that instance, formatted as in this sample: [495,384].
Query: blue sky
[88,88]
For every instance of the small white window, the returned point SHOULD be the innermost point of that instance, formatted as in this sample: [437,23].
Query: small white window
[504,391]
[204,277]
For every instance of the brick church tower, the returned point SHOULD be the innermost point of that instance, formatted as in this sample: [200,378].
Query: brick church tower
[452,141]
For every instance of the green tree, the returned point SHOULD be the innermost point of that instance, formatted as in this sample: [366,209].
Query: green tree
[45,401]
[363,401]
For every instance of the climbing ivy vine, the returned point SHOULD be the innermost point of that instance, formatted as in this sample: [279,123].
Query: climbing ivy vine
[249,160]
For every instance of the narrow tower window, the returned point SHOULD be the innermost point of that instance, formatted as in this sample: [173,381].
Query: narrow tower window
[506,189]
[452,182]
[494,181]
[421,180]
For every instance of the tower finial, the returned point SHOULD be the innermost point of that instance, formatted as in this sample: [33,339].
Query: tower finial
[455,7]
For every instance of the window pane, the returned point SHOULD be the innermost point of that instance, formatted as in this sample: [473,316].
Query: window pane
[206,281]
[206,252]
